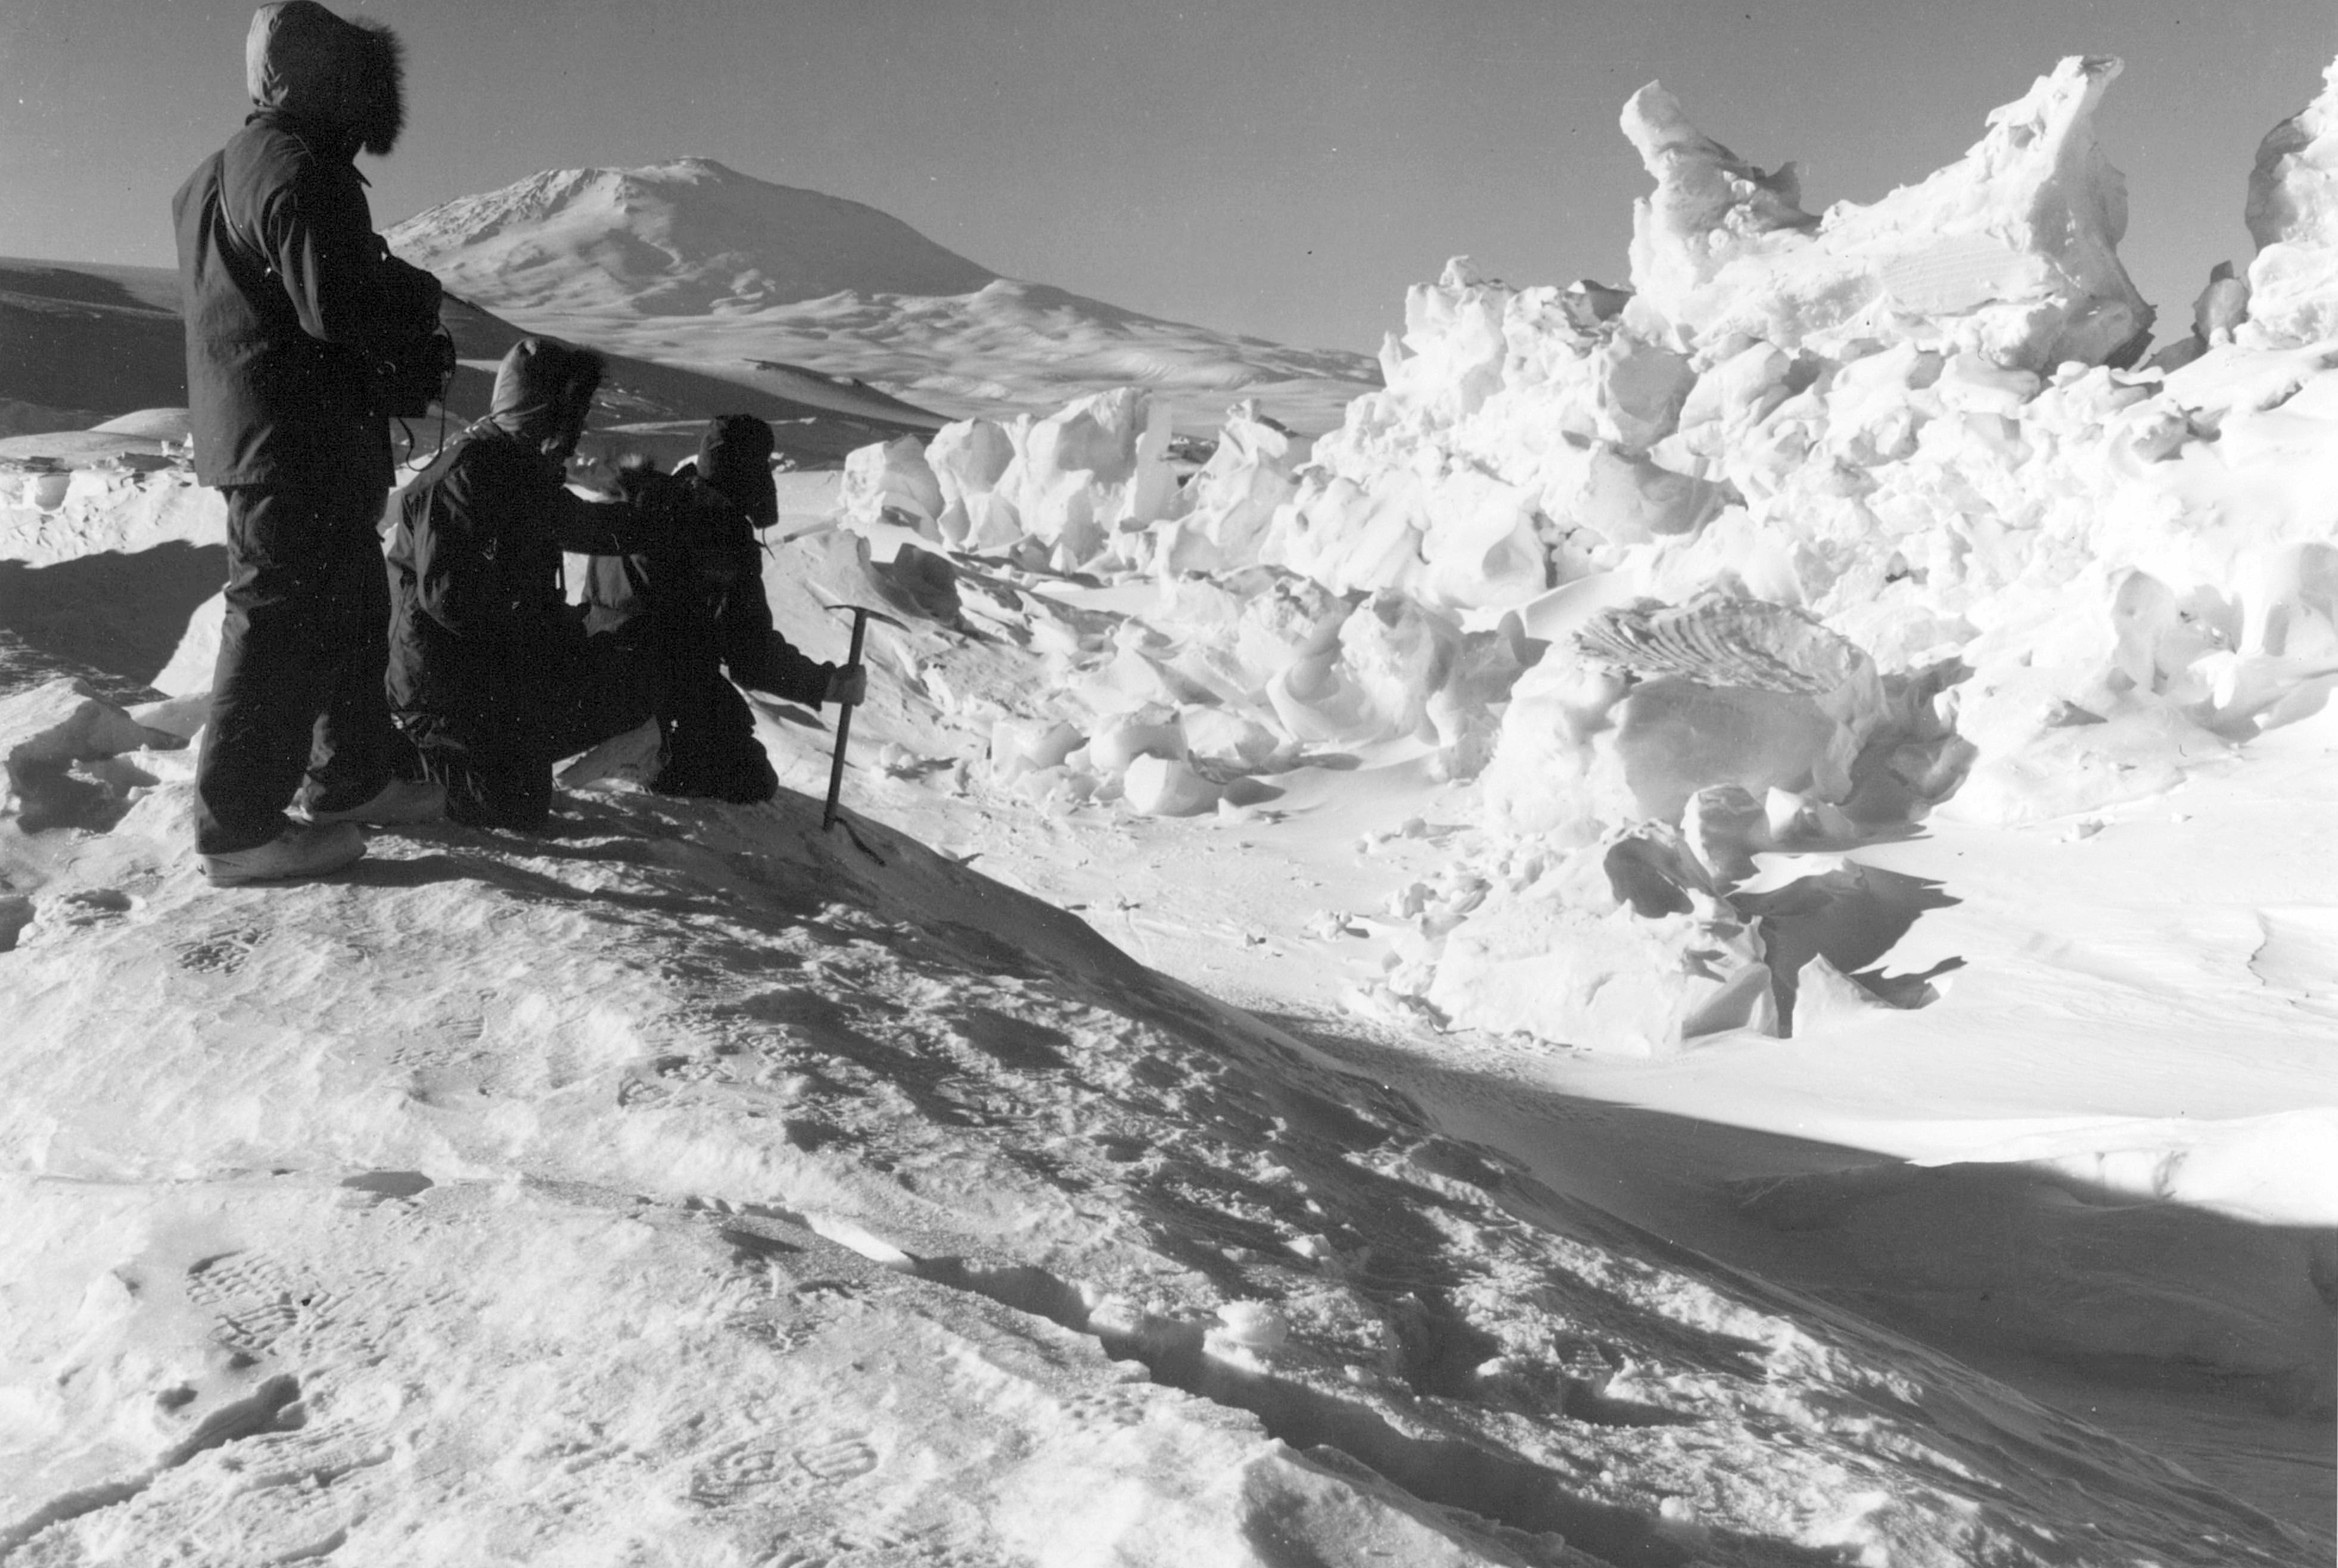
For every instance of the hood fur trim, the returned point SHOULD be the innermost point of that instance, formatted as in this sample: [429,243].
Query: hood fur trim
[544,388]
[301,59]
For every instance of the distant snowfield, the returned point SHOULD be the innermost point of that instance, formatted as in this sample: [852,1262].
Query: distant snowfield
[694,264]
[1595,968]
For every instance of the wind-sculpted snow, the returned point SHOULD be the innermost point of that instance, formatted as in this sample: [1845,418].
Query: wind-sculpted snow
[2041,583]
[2011,253]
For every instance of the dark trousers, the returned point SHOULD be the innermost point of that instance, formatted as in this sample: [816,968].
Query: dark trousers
[574,693]
[711,747]
[297,693]
[709,731]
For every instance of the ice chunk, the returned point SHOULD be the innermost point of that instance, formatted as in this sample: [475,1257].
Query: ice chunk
[1166,787]
[968,459]
[2010,253]
[1710,207]
[2293,215]
[891,482]
[1019,746]
[65,722]
[1230,503]
[1232,737]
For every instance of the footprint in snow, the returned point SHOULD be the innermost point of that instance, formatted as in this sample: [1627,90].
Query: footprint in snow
[222,953]
[59,919]
[738,1473]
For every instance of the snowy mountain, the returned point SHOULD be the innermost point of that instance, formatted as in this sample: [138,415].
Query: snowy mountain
[1702,935]
[693,263]
[688,238]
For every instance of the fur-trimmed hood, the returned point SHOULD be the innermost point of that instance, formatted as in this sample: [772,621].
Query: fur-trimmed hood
[300,59]
[544,389]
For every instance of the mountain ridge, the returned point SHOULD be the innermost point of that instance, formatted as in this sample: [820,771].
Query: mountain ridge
[690,262]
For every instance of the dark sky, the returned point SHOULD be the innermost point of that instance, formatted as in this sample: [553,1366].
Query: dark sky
[1280,167]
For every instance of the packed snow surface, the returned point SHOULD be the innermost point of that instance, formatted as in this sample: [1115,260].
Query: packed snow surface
[693,263]
[1536,981]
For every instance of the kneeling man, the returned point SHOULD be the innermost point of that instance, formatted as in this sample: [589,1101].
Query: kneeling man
[491,673]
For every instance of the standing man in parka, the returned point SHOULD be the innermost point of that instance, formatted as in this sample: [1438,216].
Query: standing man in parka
[292,304]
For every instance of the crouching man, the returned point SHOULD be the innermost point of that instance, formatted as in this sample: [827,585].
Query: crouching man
[492,675]
[692,606]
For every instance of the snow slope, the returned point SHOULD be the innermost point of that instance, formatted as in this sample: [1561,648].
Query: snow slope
[690,1187]
[694,264]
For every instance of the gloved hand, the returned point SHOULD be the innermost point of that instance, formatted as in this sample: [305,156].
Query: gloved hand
[637,475]
[847,683]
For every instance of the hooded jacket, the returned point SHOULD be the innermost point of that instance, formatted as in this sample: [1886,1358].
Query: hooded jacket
[290,297]
[477,613]
[696,598]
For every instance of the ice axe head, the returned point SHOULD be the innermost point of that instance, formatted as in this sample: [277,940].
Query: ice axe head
[862,615]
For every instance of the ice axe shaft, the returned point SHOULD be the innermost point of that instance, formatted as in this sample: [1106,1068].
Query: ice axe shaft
[862,615]
[843,723]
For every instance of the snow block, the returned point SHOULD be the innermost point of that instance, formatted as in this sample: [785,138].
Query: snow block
[67,722]
[1166,787]
[2293,215]
[1225,509]
[2010,253]
[968,460]
[890,482]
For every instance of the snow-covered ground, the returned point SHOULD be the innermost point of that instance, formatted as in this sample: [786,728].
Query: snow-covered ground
[1699,937]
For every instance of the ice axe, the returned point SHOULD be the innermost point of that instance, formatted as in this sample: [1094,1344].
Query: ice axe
[862,615]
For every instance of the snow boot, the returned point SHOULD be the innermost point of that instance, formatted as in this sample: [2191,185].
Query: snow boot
[302,849]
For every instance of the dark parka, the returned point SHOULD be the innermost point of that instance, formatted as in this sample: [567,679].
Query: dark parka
[692,606]
[481,634]
[703,581]
[290,297]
